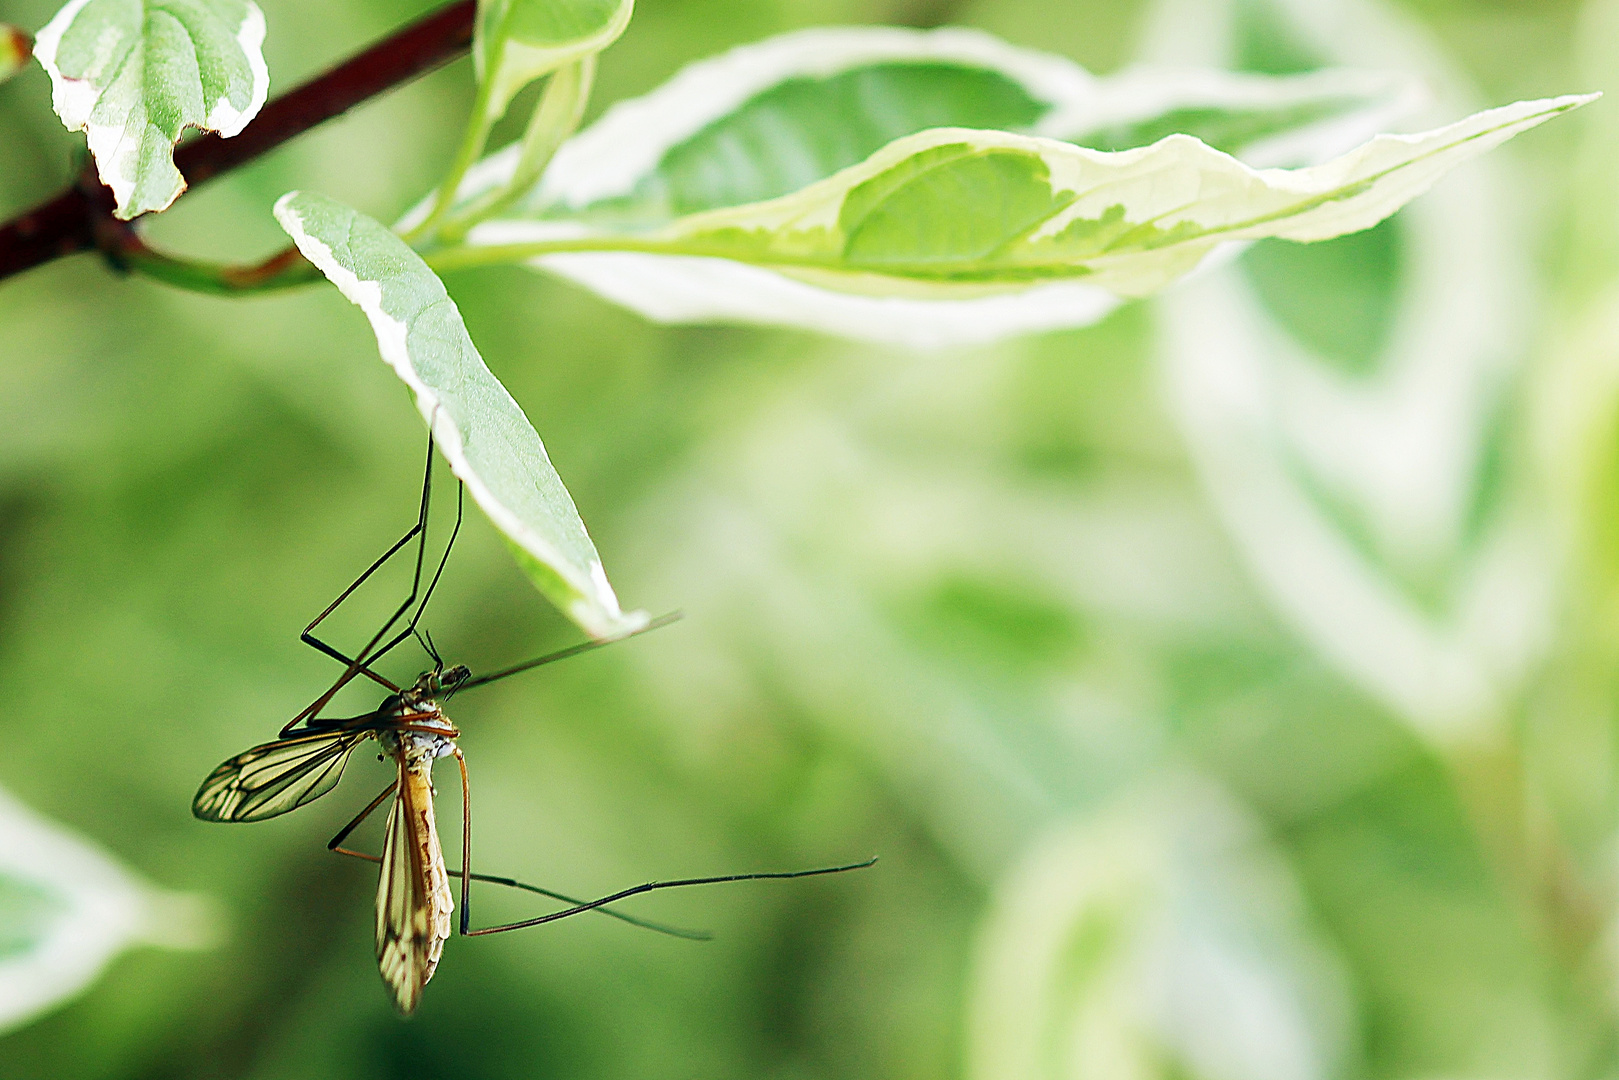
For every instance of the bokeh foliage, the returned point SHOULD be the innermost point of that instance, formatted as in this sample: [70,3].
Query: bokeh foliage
[969,610]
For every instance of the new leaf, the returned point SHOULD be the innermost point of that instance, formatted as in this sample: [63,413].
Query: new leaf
[518,41]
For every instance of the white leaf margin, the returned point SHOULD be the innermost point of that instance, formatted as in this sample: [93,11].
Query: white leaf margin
[678,290]
[75,100]
[595,607]
[107,910]
[610,157]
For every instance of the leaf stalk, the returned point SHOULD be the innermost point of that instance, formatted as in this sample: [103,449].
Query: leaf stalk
[555,119]
[286,269]
[472,144]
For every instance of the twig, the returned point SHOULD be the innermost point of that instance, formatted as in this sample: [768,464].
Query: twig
[78,219]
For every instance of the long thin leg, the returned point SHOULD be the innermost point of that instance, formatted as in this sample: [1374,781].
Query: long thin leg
[308,637]
[449,546]
[420,527]
[357,664]
[335,844]
[652,886]
[466,839]
[645,924]
[513,883]
[410,628]
[366,655]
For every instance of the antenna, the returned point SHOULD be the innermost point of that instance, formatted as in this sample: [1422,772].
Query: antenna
[572,650]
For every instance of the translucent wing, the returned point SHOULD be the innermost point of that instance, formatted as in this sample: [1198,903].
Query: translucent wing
[411,927]
[275,777]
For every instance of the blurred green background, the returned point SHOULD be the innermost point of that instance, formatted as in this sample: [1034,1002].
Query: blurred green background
[1155,791]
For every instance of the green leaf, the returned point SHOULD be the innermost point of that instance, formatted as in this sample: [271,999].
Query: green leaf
[15,49]
[766,120]
[958,210]
[518,41]
[133,74]
[481,431]
[955,214]
[66,909]
[804,129]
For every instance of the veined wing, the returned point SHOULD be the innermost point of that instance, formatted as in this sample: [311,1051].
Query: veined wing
[413,893]
[275,777]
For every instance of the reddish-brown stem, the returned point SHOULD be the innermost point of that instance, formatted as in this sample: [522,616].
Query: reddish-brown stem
[80,218]
[125,250]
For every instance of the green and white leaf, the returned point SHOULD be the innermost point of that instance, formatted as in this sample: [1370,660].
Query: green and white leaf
[954,213]
[769,119]
[1162,938]
[134,74]
[518,41]
[766,120]
[66,909]
[15,50]
[480,429]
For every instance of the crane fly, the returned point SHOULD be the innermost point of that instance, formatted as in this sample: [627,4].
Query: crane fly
[415,903]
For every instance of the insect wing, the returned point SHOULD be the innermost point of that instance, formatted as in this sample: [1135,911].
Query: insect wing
[275,777]
[409,939]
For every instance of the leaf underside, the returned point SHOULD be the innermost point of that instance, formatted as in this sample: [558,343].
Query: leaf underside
[481,430]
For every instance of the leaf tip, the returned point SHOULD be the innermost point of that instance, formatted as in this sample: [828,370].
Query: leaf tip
[631,622]
[1555,106]
[598,612]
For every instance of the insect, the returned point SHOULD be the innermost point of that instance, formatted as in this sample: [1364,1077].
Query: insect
[415,905]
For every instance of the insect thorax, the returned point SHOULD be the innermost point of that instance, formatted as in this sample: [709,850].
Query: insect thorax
[416,745]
